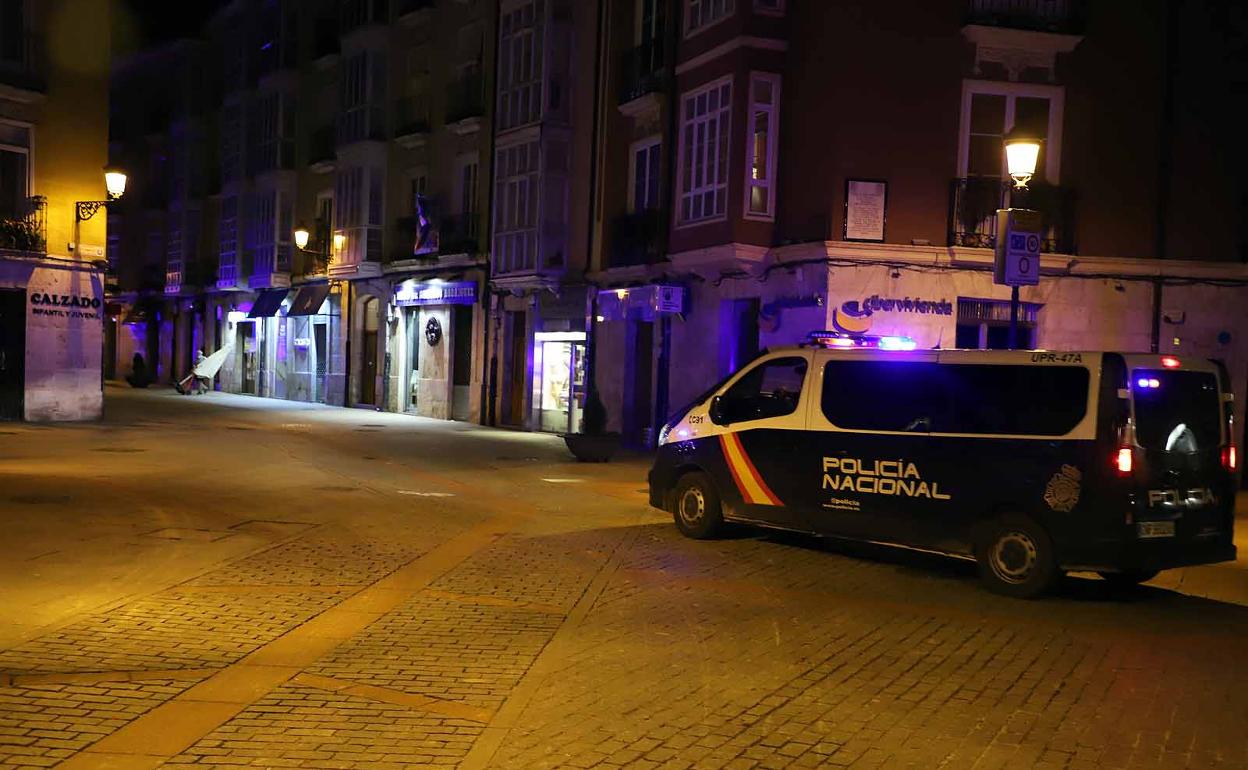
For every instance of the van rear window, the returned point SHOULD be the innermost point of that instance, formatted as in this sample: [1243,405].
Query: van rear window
[955,398]
[1176,411]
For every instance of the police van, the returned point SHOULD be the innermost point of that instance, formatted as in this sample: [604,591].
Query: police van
[1031,462]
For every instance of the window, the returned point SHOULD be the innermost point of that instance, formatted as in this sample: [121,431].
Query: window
[645,175]
[520,65]
[984,324]
[515,208]
[231,143]
[14,169]
[760,162]
[704,152]
[700,14]
[467,193]
[990,109]
[359,212]
[1182,414]
[771,389]
[227,233]
[923,397]
[363,92]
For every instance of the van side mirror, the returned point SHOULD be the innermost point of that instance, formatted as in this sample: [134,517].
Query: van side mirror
[716,411]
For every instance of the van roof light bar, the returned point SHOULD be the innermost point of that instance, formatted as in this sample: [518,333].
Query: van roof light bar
[834,339]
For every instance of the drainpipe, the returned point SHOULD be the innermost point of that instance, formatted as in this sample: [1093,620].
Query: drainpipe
[346,323]
[1165,160]
[489,383]
[595,198]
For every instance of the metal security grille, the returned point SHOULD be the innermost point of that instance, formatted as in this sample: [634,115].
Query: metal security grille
[974,311]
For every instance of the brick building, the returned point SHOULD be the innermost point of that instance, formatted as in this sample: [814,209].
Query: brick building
[766,166]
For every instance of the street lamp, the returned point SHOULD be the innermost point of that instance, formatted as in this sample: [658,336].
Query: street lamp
[322,252]
[301,237]
[1022,150]
[114,182]
[1018,229]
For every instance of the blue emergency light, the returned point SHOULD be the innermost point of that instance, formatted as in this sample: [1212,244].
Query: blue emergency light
[835,339]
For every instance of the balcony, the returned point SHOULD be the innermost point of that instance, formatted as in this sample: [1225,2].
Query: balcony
[361,13]
[24,226]
[973,205]
[465,103]
[325,42]
[173,277]
[643,73]
[638,238]
[21,73]
[408,11]
[362,123]
[322,152]
[272,155]
[458,234]
[1063,17]
[411,121]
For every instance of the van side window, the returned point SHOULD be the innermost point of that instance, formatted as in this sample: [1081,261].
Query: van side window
[918,396]
[883,395]
[771,389]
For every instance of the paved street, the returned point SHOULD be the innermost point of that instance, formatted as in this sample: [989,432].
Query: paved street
[221,580]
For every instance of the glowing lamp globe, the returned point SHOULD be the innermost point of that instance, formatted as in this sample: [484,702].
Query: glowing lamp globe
[115,181]
[1022,151]
[301,236]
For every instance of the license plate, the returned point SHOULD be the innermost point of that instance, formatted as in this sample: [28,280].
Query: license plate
[1148,529]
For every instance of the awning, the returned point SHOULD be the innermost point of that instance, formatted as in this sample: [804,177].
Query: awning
[267,304]
[308,299]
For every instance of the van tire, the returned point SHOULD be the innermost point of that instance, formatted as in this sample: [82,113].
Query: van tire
[1016,557]
[1129,578]
[696,508]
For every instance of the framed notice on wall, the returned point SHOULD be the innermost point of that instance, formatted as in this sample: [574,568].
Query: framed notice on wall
[865,203]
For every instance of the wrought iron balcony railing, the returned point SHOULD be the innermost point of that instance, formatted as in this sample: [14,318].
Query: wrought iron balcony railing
[1059,16]
[411,116]
[24,226]
[638,238]
[643,70]
[973,204]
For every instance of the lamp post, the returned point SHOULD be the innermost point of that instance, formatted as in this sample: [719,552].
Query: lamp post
[115,183]
[1017,226]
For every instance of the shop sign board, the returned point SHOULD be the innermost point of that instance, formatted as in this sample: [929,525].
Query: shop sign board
[1019,232]
[414,293]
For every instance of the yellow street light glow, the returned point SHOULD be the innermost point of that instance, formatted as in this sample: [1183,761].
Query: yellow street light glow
[1022,151]
[301,236]
[115,181]
[340,240]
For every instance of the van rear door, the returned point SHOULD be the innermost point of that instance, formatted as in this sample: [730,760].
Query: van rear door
[1184,492]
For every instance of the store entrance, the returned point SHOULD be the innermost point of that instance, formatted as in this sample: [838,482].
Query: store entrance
[561,387]
[248,353]
[12,353]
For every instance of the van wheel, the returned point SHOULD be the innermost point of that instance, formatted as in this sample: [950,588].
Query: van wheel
[1016,558]
[1129,578]
[696,508]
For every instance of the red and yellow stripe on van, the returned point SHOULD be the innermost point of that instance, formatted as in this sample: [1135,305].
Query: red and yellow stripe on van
[749,481]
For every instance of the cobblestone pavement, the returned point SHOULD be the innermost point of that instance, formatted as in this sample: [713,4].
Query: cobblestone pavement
[373,591]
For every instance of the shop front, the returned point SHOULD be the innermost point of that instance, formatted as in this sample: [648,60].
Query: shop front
[51,340]
[559,380]
[436,336]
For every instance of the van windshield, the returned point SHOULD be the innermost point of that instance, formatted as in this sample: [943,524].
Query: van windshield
[1177,411]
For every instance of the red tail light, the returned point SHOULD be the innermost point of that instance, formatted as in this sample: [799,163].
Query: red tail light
[1170,362]
[1124,461]
[1230,457]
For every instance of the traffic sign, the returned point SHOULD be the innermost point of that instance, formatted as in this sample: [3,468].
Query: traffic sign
[1018,247]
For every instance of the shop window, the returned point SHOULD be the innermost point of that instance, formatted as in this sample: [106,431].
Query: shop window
[771,389]
[984,324]
[704,135]
[760,162]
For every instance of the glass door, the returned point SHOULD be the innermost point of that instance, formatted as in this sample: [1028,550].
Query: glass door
[561,367]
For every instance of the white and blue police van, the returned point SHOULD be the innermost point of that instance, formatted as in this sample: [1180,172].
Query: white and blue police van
[1033,463]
